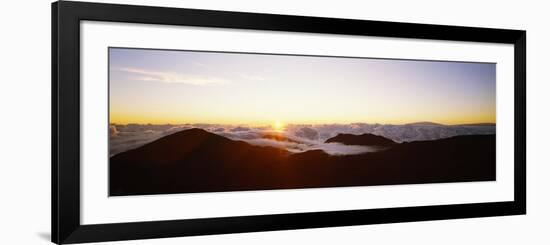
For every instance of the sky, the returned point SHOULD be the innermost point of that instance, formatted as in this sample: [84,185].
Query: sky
[179,87]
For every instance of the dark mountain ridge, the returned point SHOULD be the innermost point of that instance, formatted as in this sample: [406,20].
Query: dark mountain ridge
[363,139]
[195,160]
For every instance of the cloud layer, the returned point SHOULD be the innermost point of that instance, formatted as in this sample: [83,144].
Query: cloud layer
[295,138]
[172,77]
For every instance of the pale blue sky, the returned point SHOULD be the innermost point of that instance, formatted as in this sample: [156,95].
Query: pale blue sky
[163,86]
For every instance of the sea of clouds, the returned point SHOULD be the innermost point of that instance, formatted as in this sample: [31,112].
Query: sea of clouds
[295,138]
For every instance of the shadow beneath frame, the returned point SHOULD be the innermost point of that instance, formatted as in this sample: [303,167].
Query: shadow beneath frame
[45,236]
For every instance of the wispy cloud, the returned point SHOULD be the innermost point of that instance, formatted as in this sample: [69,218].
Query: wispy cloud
[173,77]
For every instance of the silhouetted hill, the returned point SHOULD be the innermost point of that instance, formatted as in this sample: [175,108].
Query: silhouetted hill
[363,139]
[198,161]
[456,159]
[192,160]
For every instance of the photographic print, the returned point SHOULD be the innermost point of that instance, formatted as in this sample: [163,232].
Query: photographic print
[206,121]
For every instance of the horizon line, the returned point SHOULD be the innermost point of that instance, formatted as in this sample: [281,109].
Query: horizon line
[301,124]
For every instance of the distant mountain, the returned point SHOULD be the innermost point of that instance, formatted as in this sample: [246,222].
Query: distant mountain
[363,139]
[240,129]
[424,124]
[477,124]
[195,160]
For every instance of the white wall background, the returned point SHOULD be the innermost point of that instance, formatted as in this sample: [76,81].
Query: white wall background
[25,122]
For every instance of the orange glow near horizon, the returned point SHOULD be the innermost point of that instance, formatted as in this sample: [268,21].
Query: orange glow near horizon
[278,126]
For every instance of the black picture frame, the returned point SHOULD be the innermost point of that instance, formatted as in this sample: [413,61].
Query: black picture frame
[66,17]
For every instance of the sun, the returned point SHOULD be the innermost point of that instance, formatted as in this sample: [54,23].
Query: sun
[278,126]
